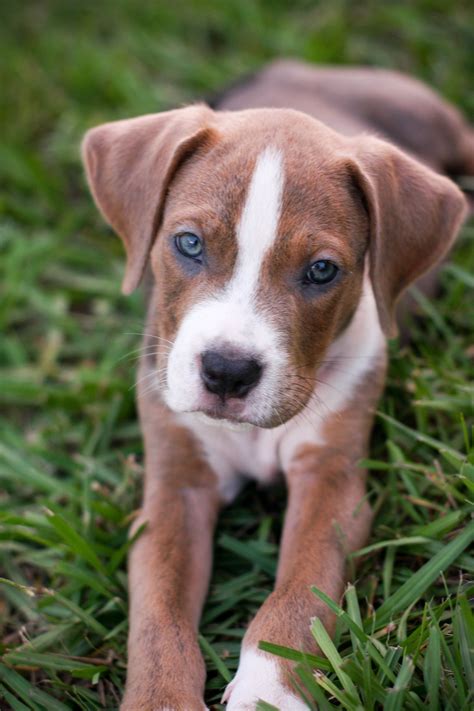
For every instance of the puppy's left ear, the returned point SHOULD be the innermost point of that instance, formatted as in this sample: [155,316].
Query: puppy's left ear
[414,216]
[130,165]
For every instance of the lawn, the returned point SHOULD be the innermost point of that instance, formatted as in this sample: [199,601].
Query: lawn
[70,449]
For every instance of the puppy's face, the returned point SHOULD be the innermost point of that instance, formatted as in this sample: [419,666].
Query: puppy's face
[258,265]
[258,224]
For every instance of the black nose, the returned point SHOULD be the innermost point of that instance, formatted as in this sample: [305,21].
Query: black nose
[229,377]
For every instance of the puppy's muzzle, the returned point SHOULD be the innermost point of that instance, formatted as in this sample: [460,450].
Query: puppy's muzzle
[228,376]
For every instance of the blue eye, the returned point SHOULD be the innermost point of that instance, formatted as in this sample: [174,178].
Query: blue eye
[189,244]
[321,272]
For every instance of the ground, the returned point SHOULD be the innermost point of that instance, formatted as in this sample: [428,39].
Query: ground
[70,450]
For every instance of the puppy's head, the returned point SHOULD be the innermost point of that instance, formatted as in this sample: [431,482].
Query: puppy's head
[258,225]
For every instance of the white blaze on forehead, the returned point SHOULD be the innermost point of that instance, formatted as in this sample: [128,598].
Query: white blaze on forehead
[231,316]
[258,226]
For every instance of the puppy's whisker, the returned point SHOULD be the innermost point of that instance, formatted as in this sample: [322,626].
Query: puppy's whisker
[151,374]
[149,335]
[155,386]
[143,350]
[150,353]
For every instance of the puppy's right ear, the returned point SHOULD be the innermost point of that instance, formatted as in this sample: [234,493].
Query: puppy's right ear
[414,215]
[130,165]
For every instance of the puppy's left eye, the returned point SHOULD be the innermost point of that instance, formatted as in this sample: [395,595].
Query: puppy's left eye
[321,272]
[189,244]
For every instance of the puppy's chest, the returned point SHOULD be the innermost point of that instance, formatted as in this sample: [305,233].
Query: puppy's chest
[238,454]
[250,454]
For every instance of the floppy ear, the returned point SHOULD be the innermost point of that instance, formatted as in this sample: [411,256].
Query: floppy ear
[129,166]
[414,218]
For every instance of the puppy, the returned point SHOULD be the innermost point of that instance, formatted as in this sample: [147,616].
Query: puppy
[280,239]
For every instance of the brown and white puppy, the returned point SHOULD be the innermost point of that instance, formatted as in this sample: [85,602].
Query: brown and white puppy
[279,247]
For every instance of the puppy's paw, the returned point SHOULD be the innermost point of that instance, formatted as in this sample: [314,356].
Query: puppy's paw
[259,677]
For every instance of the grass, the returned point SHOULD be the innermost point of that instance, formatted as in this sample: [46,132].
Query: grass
[70,449]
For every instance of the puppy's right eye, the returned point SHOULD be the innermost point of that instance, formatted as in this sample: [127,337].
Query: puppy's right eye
[321,272]
[189,244]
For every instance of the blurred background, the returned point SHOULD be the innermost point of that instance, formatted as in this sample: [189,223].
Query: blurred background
[70,450]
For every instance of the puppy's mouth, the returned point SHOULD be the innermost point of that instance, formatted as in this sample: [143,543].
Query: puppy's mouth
[238,413]
[218,411]
[217,420]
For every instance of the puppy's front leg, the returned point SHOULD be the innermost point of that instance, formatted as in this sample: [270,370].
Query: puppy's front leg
[326,517]
[169,571]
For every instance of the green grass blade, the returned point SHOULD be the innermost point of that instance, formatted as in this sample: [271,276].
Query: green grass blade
[327,646]
[264,706]
[359,633]
[396,696]
[29,693]
[75,542]
[219,664]
[432,668]
[412,590]
[421,437]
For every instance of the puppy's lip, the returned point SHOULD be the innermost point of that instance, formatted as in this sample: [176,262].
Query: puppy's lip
[231,412]
[220,413]
[210,417]
[231,409]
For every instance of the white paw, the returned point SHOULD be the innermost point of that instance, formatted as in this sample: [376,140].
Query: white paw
[258,677]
